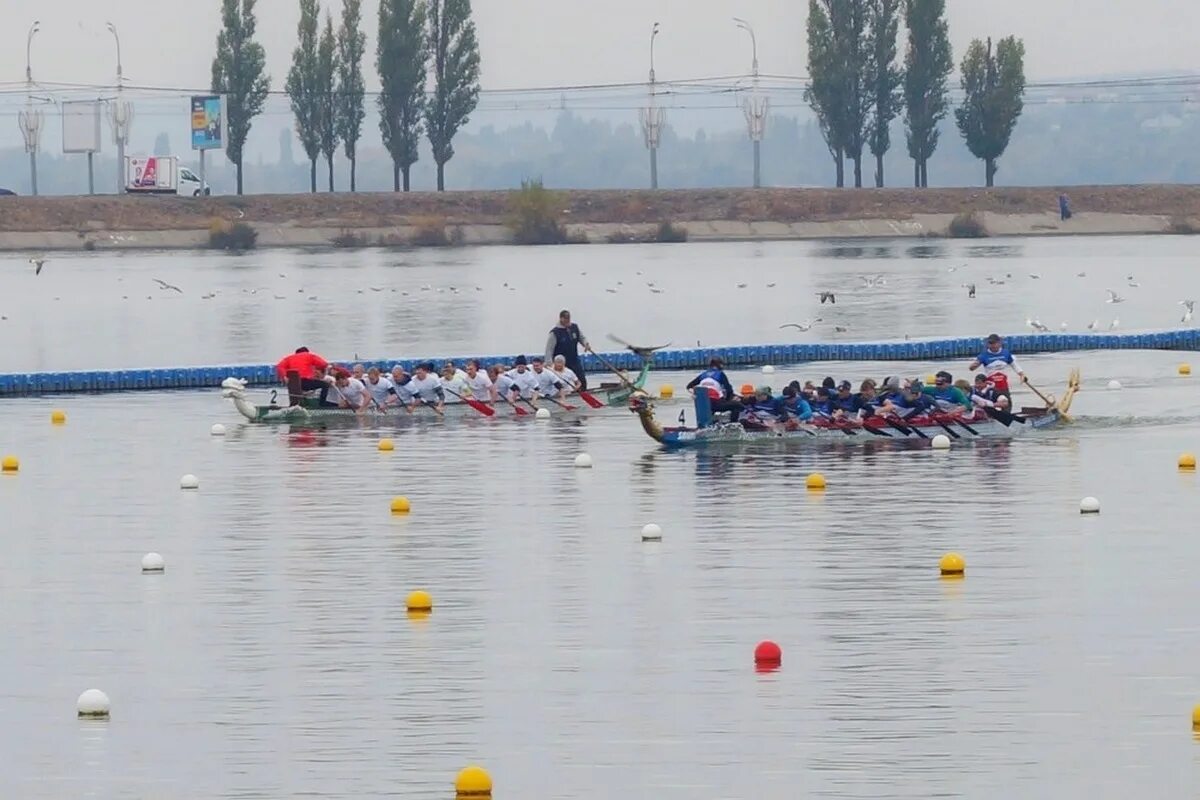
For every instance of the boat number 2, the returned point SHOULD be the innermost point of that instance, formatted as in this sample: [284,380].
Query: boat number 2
[274,394]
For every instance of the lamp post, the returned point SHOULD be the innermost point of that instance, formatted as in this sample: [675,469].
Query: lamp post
[755,107]
[652,118]
[30,120]
[120,114]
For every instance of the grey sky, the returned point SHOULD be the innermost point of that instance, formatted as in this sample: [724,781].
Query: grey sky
[555,42]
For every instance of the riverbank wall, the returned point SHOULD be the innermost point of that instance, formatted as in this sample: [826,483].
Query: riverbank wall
[115,222]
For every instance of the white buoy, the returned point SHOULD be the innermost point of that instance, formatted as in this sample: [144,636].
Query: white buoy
[542,413]
[1089,505]
[768,370]
[93,703]
[940,442]
[1114,384]
[218,430]
[651,533]
[583,461]
[189,481]
[153,562]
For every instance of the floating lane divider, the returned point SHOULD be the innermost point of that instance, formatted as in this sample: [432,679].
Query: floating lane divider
[15,384]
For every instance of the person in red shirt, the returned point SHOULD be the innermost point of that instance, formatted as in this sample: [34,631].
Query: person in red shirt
[309,366]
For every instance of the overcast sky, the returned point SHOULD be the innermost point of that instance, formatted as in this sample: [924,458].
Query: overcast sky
[557,42]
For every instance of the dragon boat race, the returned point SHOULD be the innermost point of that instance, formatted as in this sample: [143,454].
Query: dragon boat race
[783,544]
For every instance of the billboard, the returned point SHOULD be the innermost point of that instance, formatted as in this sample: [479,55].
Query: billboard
[209,124]
[81,126]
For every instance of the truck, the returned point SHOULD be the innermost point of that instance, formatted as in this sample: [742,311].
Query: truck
[161,175]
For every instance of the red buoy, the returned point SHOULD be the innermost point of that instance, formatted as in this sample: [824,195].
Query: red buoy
[768,654]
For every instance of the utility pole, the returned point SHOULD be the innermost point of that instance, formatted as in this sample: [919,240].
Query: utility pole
[30,120]
[652,118]
[755,107]
[120,115]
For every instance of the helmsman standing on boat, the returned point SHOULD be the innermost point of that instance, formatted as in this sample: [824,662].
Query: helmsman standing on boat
[564,340]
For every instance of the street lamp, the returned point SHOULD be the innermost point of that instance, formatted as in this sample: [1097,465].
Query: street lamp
[30,120]
[652,118]
[755,106]
[120,114]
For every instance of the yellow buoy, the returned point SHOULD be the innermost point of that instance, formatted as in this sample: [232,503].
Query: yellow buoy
[10,464]
[419,600]
[1185,369]
[1196,717]
[58,417]
[473,781]
[666,391]
[1187,461]
[400,505]
[815,481]
[386,445]
[952,565]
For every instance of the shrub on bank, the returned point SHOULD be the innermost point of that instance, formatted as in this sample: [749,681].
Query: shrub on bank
[1182,226]
[668,232]
[533,212]
[236,236]
[967,225]
[350,239]
[429,232]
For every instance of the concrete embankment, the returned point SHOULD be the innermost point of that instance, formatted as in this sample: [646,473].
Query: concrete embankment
[388,219]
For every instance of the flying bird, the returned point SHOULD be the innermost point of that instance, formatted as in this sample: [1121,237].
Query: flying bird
[1116,323]
[827,296]
[871,281]
[1190,306]
[1133,284]
[1095,325]
[1035,276]
[38,262]
[164,285]
[803,327]
[970,287]
[1113,297]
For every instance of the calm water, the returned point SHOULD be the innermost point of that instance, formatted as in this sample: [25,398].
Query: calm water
[274,657]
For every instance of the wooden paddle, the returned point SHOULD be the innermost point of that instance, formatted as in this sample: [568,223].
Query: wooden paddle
[520,411]
[486,410]
[621,376]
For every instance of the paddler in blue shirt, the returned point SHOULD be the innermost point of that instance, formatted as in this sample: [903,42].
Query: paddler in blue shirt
[908,401]
[866,401]
[994,360]
[946,395]
[823,404]
[720,391]
[843,401]
[791,406]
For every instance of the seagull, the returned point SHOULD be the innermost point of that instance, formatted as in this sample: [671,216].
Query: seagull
[995,282]
[657,291]
[208,296]
[1189,305]
[1036,325]
[803,327]
[770,286]
[164,285]
[1095,325]
[1062,327]
[1132,283]
[1112,326]
[1113,297]
[650,284]
[952,269]
[376,288]
[279,297]
[38,262]
[839,329]
[871,281]
[611,291]
[1080,274]
[970,287]
[1035,276]
[742,285]
[827,296]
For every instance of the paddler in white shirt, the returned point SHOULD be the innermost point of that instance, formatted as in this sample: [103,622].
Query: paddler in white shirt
[379,386]
[400,392]
[426,388]
[548,384]
[348,392]
[565,374]
[523,380]
[454,379]
[479,384]
[502,385]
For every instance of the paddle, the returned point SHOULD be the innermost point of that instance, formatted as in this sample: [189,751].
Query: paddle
[621,376]
[1003,417]
[839,427]
[520,411]
[486,410]
[1034,389]
[334,386]
[557,402]
[589,398]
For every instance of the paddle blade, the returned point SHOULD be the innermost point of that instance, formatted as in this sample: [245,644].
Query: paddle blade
[486,410]
[590,399]
[520,411]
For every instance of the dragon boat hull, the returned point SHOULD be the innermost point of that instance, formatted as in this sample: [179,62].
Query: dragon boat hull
[979,425]
[309,410]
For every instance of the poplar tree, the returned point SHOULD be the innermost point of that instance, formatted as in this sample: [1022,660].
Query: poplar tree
[351,45]
[327,124]
[400,57]
[239,72]
[302,86]
[884,77]
[927,66]
[455,54]
[993,85]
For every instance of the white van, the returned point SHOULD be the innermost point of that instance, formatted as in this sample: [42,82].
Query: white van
[161,175]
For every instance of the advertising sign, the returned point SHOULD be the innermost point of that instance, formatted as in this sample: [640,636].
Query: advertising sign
[209,125]
[81,126]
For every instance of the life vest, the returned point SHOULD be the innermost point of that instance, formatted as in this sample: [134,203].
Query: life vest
[713,387]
